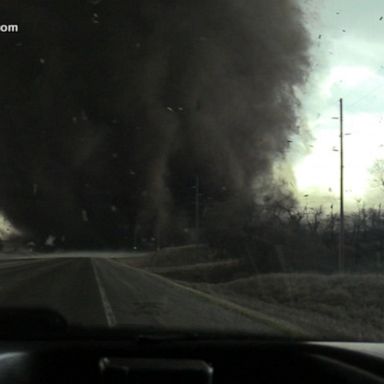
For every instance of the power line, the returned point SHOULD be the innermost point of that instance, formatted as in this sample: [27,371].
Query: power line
[369,93]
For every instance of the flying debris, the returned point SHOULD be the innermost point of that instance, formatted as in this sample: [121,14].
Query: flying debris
[170,109]
[319,37]
[381,18]
[95,18]
[42,60]
[50,241]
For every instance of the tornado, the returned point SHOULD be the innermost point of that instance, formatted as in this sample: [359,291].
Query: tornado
[124,122]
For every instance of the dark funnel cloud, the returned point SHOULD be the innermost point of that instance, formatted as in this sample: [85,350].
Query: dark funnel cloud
[111,111]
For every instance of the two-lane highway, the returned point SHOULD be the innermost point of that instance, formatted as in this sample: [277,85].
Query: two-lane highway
[99,291]
[137,297]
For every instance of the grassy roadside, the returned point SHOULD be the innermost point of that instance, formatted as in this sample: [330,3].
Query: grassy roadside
[336,306]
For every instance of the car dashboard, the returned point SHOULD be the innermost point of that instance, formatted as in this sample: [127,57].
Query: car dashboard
[189,361]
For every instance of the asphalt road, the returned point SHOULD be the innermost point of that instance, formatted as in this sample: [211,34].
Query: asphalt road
[97,291]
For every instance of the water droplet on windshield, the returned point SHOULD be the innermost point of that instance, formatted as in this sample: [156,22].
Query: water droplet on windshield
[84,215]
[84,115]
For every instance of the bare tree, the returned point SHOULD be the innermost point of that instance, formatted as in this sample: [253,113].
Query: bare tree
[377,171]
[314,218]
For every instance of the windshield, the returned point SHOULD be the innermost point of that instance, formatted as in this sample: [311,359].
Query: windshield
[201,166]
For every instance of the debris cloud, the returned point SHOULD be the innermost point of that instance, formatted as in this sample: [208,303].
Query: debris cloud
[125,103]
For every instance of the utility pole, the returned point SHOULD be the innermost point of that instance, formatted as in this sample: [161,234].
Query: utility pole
[197,205]
[341,234]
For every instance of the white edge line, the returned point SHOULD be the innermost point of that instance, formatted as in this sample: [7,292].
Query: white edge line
[110,316]
[278,324]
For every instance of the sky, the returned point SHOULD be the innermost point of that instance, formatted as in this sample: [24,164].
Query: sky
[347,62]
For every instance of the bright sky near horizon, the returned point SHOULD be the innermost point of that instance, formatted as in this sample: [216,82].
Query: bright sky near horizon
[348,62]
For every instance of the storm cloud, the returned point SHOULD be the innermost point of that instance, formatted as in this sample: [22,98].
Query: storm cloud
[111,110]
